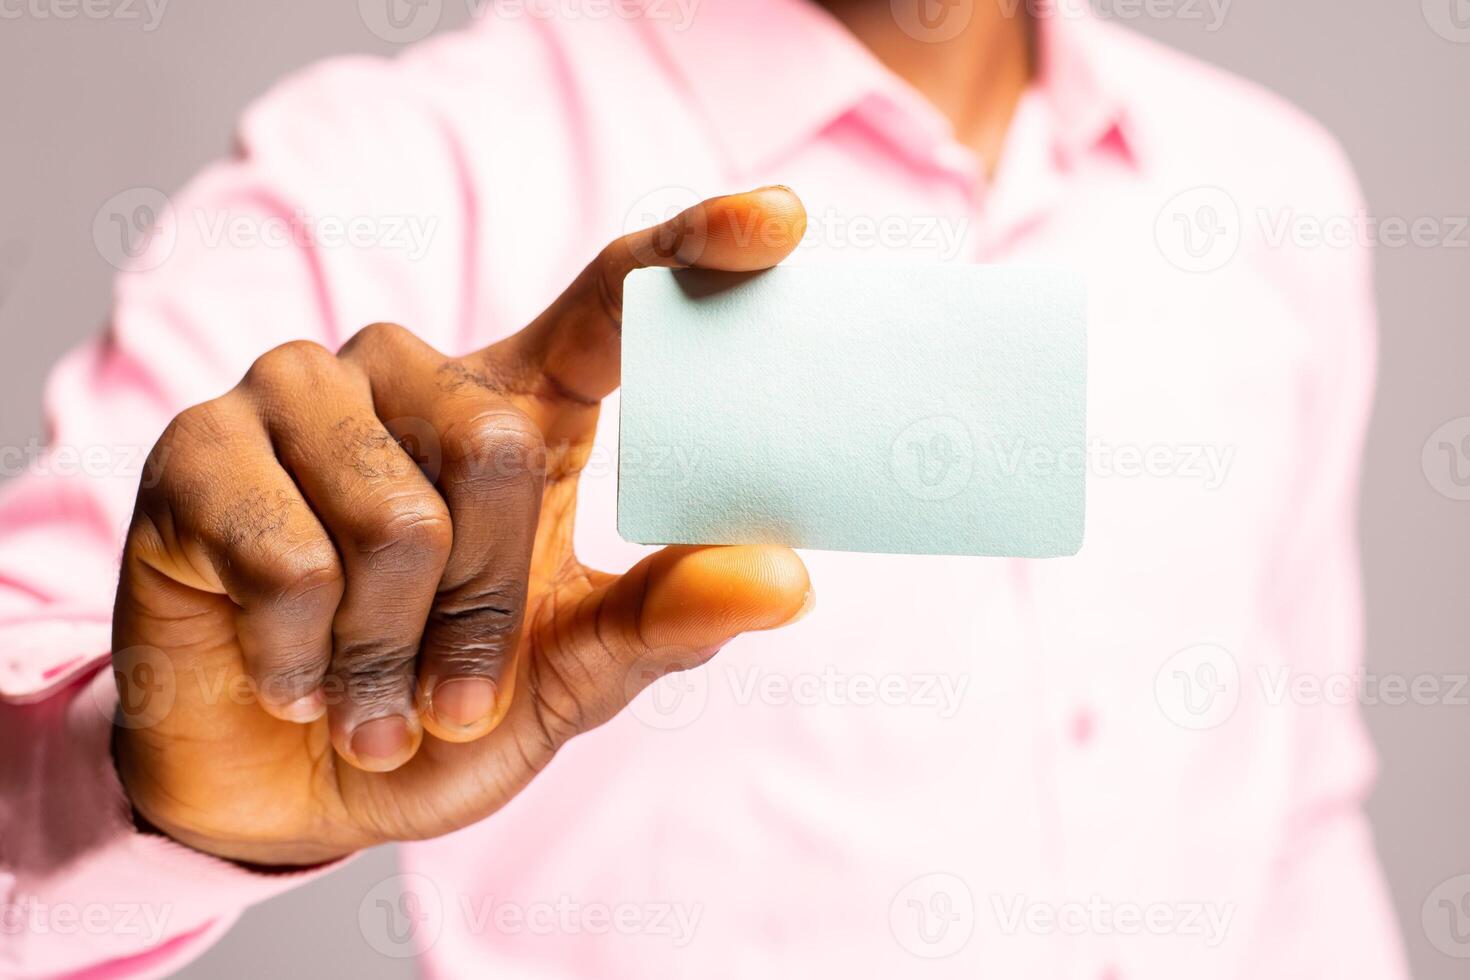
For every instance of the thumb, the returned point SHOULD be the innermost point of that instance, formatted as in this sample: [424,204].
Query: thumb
[671,611]
[700,597]
[571,354]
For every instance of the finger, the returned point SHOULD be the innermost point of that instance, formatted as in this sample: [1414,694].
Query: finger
[224,518]
[586,658]
[493,462]
[571,352]
[671,611]
[490,463]
[391,529]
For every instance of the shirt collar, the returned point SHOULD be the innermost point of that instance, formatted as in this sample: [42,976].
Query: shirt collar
[772,74]
[1079,77]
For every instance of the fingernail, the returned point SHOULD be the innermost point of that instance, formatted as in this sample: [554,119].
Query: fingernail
[381,742]
[807,605]
[305,709]
[463,702]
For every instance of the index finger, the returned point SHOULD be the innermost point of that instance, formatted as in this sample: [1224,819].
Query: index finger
[572,351]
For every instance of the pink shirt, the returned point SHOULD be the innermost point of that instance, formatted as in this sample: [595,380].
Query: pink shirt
[1093,767]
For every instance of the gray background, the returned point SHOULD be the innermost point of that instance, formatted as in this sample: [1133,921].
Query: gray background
[93,106]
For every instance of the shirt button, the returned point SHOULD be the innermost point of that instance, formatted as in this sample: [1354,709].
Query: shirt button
[1084,726]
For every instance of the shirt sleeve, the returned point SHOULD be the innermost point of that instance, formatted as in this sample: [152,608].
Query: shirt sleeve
[309,232]
[1327,912]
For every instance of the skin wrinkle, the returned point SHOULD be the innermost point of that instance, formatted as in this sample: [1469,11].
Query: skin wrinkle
[494,438]
[637,620]
[478,637]
[460,615]
[305,584]
[292,675]
[400,543]
[372,677]
[543,706]
[610,297]
[535,765]
[536,685]
[560,391]
[479,642]
[544,385]
[473,660]
[321,772]
[601,642]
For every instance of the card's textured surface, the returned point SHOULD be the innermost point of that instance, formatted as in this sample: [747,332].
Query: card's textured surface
[913,410]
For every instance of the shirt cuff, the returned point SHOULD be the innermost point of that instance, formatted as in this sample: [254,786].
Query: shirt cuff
[83,887]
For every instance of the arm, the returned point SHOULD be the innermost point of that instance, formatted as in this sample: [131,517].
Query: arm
[1329,913]
[67,839]
[186,323]
[272,550]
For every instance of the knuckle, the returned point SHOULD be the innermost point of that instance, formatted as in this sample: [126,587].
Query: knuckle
[372,673]
[183,458]
[289,675]
[293,365]
[475,628]
[378,340]
[408,529]
[499,446]
[380,334]
[306,573]
[202,424]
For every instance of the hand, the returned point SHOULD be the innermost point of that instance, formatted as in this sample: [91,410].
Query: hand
[355,646]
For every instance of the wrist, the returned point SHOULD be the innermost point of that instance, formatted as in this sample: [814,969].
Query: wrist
[252,855]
